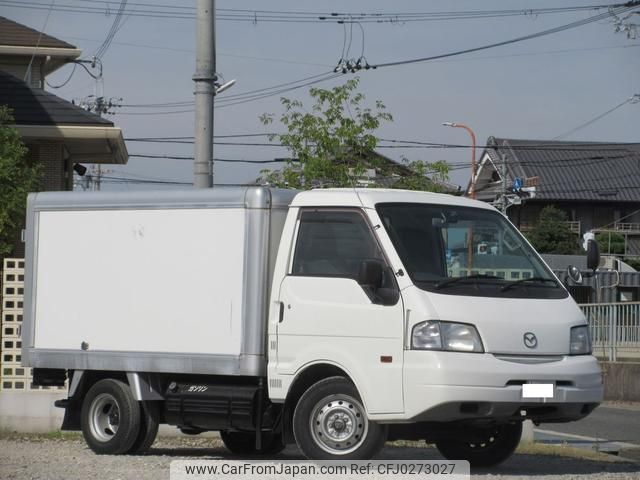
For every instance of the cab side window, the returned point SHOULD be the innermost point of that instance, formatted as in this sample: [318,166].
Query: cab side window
[333,244]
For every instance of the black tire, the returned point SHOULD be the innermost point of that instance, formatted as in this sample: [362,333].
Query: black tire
[149,415]
[500,443]
[110,417]
[330,423]
[244,443]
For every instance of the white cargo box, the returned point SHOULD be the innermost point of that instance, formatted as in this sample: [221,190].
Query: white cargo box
[172,281]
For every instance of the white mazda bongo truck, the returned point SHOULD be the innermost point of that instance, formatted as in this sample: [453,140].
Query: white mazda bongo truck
[335,319]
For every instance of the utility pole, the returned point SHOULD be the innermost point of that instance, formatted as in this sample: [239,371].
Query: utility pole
[204,79]
[504,201]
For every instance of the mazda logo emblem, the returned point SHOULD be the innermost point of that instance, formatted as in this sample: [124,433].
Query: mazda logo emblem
[530,340]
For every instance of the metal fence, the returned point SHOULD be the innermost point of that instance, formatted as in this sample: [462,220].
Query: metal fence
[615,329]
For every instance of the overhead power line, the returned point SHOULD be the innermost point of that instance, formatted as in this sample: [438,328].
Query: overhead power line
[178,12]
[633,99]
[240,98]
[591,147]
[615,10]
[228,160]
[102,49]
[165,48]
[27,73]
[60,85]
[253,95]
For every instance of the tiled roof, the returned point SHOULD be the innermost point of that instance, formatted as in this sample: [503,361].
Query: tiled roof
[16,34]
[32,106]
[572,171]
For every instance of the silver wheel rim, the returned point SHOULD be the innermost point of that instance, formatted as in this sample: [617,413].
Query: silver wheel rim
[104,417]
[338,424]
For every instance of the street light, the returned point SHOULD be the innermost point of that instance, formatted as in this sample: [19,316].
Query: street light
[221,88]
[472,189]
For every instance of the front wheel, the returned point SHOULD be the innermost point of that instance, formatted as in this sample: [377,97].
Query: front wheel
[110,417]
[498,444]
[330,423]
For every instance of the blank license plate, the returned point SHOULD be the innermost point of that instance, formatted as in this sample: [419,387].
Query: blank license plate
[537,390]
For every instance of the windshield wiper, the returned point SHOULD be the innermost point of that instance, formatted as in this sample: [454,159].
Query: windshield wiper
[451,281]
[522,281]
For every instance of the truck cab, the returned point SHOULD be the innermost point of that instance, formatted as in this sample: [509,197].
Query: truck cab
[439,312]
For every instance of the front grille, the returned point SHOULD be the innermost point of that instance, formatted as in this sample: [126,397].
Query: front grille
[529,359]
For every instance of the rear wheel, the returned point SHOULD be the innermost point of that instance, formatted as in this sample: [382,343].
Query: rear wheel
[110,417]
[330,423]
[148,427]
[498,444]
[244,443]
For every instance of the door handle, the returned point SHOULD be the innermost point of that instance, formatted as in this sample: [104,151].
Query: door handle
[281,314]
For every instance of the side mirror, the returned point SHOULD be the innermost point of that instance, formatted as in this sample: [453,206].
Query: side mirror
[370,274]
[388,296]
[371,278]
[574,274]
[593,255]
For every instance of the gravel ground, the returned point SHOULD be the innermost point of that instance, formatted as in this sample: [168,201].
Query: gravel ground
[52,457]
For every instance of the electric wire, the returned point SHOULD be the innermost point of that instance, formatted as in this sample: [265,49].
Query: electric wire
[254,16]
[628,148]
[224,160]
[620,8]
[221,101]
[27,72]
[102,49]
[73,70]
[249,96]
[631,99]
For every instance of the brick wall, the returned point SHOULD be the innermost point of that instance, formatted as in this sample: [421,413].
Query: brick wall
[54,176]
[50,155]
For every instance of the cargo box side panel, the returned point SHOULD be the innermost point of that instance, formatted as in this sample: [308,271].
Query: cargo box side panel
[163,281]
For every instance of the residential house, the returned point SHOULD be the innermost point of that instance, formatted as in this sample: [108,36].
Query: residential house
[383,171]
[31,55]
[596,184]
[57,133]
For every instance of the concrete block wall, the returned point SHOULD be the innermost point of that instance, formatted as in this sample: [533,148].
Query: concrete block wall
[12,373]
[13,376]
[621,381]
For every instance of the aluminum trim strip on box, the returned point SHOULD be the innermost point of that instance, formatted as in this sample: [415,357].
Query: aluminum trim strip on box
[244,365]
[31,254]
[235,197]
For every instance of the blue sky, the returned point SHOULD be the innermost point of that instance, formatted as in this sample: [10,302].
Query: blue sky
[536,89]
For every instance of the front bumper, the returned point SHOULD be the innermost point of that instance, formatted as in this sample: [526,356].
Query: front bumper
[450,386]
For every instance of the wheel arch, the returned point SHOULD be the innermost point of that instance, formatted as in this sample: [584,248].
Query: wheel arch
[306,376]
[88,378]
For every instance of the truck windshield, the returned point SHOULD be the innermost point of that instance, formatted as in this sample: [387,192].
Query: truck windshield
[466,251]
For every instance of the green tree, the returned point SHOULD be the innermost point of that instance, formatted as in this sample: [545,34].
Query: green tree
[633,262]
[425,176]
[17,179]
[332,143]
[611,243]
[552,233]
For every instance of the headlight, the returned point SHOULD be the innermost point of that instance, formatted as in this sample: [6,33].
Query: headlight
[580,343]
[455,337]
